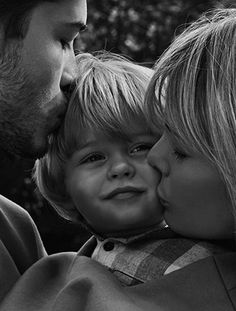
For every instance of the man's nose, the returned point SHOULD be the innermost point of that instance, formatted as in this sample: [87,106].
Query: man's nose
[158,156]
[69,72]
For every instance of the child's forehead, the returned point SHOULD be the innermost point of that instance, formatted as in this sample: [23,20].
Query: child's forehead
[93,134]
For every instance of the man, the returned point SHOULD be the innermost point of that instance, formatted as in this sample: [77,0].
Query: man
[37,66]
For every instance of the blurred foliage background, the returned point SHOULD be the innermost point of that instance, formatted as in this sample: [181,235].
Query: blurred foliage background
[138,29]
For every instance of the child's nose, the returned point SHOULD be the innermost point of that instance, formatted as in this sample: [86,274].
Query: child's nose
[120,169]
[158,157]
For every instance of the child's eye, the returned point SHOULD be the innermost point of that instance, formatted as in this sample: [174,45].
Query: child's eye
[93,158]
[179,155]
[141,148]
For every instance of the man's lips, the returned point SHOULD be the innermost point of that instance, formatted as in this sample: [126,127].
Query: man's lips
[123,193]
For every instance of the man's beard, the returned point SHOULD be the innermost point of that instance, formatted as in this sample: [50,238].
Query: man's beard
[17,105]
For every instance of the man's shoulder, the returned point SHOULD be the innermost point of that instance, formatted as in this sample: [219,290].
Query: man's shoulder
[10,209]
[19,235]
[13,215]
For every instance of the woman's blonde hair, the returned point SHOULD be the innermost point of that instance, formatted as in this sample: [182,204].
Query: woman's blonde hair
[193,91]
[109,97]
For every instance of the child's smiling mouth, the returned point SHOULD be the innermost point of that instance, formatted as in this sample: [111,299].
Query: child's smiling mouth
[123,193]
[126,195]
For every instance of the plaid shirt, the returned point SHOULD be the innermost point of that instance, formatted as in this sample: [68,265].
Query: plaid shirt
[151,255]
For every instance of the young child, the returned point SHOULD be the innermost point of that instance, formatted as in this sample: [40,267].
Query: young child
[193,96]
[96,172]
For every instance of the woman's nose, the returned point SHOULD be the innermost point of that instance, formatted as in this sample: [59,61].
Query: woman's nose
[121,168]
[158,156]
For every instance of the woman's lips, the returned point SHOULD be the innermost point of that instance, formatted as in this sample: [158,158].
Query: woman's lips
[163,202]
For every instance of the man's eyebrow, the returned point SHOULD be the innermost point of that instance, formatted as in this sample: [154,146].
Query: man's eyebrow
[78,26]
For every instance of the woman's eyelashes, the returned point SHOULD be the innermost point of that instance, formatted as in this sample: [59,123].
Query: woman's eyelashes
[179,154]
[177,149]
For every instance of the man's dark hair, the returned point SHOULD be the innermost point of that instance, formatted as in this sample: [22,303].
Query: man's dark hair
[15,16]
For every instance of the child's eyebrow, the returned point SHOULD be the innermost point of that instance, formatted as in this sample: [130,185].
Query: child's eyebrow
[132,136]
[141,133]
[87,143]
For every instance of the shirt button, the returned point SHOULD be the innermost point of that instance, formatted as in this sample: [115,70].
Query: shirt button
[108,246]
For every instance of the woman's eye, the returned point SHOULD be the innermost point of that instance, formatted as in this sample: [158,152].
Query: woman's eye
[141,148]
[179,155]
[93,158]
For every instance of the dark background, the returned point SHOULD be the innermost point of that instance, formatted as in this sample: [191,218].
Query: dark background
[138,29]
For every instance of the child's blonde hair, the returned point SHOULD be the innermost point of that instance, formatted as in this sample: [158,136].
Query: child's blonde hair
[193,91]
[108,96]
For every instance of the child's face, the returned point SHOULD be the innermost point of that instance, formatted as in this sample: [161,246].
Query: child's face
[191,191]
[111,183]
